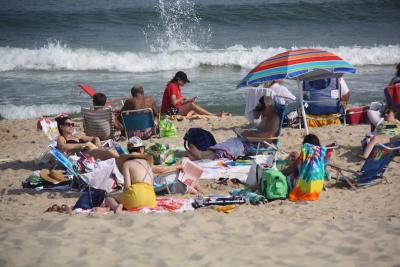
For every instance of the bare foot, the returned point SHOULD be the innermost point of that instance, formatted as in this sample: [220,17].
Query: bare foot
[118,209]
[66,209]
[101,209]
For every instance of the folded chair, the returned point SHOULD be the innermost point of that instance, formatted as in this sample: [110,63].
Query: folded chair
[97,121]
[322,102]
[139,123]
[371,172]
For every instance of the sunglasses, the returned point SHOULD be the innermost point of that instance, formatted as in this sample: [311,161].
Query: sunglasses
[69,124]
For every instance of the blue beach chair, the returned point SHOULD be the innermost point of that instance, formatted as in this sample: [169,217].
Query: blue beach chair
[260,145]
[371,172]
[322,101]
[139,123]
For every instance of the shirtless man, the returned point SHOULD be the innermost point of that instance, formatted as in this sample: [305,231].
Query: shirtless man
[140,101]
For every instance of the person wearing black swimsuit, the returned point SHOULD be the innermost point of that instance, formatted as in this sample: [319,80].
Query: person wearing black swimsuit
[69,142]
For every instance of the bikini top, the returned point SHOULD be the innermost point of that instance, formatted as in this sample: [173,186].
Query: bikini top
[147,168]
[71,141]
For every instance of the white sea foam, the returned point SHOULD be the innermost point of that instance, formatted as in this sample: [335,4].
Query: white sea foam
[56,56]
[10,111]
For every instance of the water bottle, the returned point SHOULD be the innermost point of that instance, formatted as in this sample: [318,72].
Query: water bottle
[119,148]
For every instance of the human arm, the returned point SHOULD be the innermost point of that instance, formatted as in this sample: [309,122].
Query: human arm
[66,148]
[268,128]
[161,169]
[90,139]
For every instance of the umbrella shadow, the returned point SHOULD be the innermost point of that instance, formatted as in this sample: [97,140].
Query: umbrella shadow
[29,165]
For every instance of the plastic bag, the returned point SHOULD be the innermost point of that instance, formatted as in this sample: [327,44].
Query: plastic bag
[167,128]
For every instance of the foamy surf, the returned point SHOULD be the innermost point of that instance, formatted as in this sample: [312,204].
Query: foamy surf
[57,56]
[10,111]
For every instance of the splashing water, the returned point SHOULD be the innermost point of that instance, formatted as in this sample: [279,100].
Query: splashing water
[178,28]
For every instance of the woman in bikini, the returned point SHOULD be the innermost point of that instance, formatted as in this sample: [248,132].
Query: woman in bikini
[69,142]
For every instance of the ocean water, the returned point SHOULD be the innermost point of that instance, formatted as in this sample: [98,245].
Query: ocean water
[47,47]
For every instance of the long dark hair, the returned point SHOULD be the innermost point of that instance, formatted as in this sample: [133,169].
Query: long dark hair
[398,69]
[60,121]
[311,139]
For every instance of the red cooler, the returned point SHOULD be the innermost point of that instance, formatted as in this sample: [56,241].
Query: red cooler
[357,115]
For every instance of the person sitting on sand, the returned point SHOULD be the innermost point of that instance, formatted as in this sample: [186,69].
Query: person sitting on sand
[136,145]
[387,131]
[236,147]
[69,142]
[174,103]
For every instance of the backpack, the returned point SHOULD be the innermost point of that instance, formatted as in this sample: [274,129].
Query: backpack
[273,185]
[198,137]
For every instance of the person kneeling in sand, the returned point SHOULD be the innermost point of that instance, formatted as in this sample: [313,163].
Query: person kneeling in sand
[236,147]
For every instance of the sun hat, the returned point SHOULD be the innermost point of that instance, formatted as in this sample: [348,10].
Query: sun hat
[135,141]
[53,176]
[182,76]
[124,157]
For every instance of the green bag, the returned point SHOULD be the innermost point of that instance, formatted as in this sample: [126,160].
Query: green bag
[167,128]
[273,184]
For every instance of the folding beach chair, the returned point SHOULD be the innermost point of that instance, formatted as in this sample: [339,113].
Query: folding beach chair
[260,145]
[97,121]
[139,123]
[372,171]
[322,102]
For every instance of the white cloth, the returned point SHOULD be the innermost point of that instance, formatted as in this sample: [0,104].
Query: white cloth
[101,177]
[283,94]
[233,146]
[343,86]
[253,97]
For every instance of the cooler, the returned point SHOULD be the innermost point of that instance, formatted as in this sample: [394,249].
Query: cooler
[357,115]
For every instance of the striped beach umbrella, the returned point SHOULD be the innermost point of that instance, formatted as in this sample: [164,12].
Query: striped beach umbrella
[297,65]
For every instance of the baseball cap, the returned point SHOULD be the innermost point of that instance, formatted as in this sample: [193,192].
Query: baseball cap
[182,76]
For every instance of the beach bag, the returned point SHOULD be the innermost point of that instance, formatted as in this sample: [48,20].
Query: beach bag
[198,137]
[167,128]
[273,185]
[90,199]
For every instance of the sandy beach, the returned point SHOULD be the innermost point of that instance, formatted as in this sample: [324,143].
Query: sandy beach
[343,228]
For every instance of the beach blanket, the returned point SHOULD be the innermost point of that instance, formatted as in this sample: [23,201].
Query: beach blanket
[168,204]
[311,176]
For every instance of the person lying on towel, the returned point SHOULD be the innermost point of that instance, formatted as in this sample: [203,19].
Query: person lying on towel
[235,147]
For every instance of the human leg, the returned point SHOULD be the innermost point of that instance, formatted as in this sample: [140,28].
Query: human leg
[103,154]
[198,154]
[382,138]
[185,109]
[113,204]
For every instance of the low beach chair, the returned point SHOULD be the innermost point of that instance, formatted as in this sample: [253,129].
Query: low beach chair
[322,102]
[139,123]
[97,121]
[371,172]
[260,145]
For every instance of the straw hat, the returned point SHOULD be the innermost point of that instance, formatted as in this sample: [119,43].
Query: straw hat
[53,176]
[124,157]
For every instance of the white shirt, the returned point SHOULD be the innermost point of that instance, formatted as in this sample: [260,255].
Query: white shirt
[343,86]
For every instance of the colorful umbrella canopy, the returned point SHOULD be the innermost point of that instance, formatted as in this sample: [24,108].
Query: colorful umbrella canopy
[297,64]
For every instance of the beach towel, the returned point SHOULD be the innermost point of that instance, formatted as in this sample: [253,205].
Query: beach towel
[311,176]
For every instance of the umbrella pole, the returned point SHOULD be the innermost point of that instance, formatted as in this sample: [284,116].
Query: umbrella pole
[303,112]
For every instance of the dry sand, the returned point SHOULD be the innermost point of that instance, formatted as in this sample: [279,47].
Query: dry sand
[342,228]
